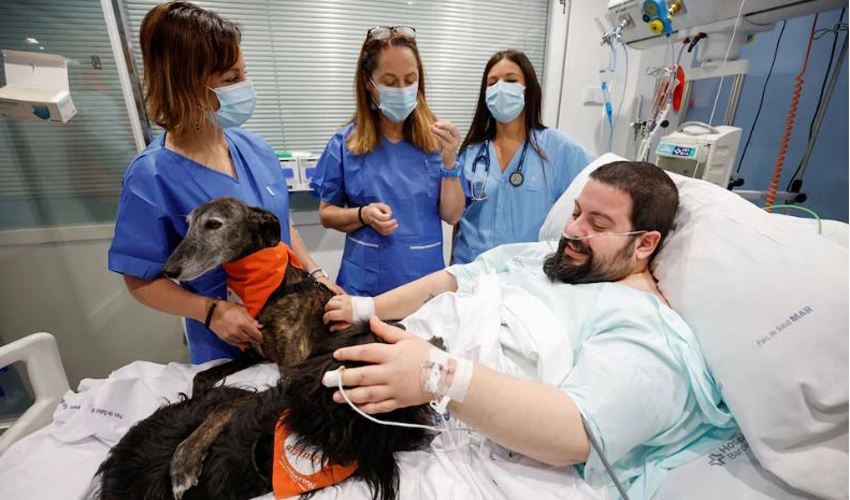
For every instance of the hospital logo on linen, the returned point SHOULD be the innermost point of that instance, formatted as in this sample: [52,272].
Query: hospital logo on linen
[728,451]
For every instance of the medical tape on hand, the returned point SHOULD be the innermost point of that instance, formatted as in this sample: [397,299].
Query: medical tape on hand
[461,380]
[362,309]
[435,379]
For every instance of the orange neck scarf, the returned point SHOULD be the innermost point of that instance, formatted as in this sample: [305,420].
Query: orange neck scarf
[297,470]
[252,279]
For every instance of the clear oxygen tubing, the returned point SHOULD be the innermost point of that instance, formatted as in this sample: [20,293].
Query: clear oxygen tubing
[726,58]
[614,40]
[612,121]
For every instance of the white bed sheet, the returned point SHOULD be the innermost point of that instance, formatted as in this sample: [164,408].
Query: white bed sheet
[459,465]
[59,461]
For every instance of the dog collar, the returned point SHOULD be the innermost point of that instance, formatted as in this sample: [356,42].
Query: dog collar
[252,279]
[297,469]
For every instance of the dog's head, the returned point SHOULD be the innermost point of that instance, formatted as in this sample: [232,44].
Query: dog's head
[338,433]
[221,230]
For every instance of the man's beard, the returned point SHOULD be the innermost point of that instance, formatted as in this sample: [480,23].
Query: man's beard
[561,267]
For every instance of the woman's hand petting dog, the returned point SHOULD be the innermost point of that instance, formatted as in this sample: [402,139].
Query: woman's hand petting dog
[232,323]
[339,313]
[394,380]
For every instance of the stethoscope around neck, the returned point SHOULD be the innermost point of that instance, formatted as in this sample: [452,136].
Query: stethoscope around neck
[483,156]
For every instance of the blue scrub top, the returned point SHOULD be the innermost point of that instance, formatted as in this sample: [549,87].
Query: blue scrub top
[514,214]
[409,181]
[159,190]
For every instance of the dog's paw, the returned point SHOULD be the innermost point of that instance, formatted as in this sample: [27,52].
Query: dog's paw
[185,472]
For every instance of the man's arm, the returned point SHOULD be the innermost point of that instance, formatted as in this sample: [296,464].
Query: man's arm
[406,299]
[536,420]
[394,304]
[533,419]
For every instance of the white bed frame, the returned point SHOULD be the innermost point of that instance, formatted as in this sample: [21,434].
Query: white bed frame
[47,376]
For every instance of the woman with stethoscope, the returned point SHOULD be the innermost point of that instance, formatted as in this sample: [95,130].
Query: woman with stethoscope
[515,168]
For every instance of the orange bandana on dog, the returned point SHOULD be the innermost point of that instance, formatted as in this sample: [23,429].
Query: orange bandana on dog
[251,280]
[297,470]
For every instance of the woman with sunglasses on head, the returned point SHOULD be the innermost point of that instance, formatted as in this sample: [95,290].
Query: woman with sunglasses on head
[198,92]
[514,167]
[388,178]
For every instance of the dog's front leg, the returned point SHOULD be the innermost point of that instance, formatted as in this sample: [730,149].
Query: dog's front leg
[188,460]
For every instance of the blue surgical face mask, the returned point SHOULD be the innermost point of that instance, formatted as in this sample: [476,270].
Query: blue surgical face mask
[236,102]
[505,100]
[397,103]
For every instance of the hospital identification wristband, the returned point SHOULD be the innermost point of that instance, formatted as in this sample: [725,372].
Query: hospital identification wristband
[362,308]
[450,174]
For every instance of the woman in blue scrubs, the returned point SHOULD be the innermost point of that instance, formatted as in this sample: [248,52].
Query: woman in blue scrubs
[514,167]
[198,92]
[388,178]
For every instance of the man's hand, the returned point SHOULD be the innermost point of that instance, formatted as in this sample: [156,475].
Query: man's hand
[394,380]
[379,216]
[232,323]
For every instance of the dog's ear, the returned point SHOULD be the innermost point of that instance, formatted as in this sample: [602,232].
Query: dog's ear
[265,224]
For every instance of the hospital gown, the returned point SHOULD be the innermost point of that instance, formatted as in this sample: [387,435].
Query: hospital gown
[638,378]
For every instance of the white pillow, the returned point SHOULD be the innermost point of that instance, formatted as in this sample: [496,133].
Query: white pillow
[769,306]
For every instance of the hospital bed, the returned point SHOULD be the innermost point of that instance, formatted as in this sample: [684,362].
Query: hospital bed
[76,428]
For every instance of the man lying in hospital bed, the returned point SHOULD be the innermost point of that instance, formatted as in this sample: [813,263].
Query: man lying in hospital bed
[508,329]
[604,347]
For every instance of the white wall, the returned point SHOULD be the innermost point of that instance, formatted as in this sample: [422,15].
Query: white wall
[554,73]
[583,60]
[58,281]
[63,287]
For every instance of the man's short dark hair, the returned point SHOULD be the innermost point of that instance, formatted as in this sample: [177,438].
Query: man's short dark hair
[654,195]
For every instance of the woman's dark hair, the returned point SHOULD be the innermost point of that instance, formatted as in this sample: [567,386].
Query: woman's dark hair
[484,125]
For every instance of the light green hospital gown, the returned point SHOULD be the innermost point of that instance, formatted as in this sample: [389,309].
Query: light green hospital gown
[639,377]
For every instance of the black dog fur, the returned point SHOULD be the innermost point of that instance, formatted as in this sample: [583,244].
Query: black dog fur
[238,464]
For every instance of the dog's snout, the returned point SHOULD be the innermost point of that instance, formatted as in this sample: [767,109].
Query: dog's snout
[172,272]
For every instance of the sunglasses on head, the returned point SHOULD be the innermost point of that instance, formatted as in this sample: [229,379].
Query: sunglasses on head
[385,32]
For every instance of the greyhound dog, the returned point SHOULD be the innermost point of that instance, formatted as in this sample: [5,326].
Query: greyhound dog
[239,463]
[226,230]
[220,231]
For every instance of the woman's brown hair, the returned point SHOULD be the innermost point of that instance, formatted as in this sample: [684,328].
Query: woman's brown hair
[417,126]
[182,46]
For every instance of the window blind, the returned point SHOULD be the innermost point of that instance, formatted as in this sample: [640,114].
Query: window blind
[52,174]
[302,55]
